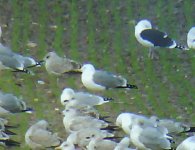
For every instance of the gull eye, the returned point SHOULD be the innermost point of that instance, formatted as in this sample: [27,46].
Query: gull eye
[66,101]
[47,56]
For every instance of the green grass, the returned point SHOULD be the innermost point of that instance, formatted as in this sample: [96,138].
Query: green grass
[101,32]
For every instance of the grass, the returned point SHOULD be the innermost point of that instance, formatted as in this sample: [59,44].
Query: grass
[100,32]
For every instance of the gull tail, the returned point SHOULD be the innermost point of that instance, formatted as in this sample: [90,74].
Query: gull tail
[28,110]
[111,128]
[129,86]
[10,142]
[9,126]
[38,64]
[104,118]
[23,71]
[191,129]
[184,48]
[115,138]
[8,132]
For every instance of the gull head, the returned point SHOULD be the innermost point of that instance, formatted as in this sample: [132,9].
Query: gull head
[42,124]
[70,112]
[142,25]
[123,117]
[87,67]
[67,95]
[49,56]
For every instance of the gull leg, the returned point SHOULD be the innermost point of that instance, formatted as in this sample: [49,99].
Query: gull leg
[151,53]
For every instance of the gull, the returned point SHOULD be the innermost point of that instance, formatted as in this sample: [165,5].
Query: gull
[173,126]
[38,137]
[187,144]
[28,62]
[98,80]
[11,104]
[83,136]
[144,135]
[57,65]
[101,144]
[14,61]
[191,38]
[70,98]
[150,37]
[73,122]
[7,62]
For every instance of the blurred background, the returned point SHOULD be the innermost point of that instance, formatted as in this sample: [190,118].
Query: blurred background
[102,33]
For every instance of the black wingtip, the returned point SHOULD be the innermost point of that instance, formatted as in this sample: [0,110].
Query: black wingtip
[115,138]
[129,86]
[132,86]
[111,128]
[10,126]
[191,129]
[184,48]
[28,110]
[10,143]
[8,132]
[103,117]
[108,99]
[38,64]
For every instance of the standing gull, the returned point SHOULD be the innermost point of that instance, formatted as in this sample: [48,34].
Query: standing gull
[98,80]
[150,37]
[38,137]
[57,65]
[191,38]
[71,98]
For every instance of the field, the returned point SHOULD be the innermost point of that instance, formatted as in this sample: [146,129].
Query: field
[100,32]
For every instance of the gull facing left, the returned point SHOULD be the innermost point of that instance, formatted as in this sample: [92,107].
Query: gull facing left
[99,80]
